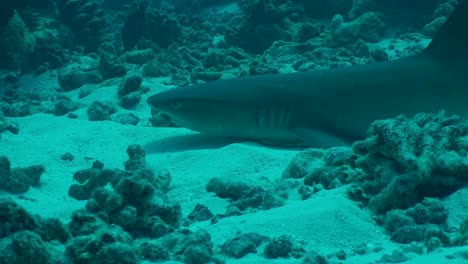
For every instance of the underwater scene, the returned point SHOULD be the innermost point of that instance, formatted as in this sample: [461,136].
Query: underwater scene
[233,131]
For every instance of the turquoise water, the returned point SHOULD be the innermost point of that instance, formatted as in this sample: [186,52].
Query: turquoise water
[251,162]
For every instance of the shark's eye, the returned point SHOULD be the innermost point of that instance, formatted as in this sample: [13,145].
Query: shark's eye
[176,105]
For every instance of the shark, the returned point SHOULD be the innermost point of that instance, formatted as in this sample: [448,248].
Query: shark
[327,108]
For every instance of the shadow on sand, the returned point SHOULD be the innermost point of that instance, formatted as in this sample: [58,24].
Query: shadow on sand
[188,142]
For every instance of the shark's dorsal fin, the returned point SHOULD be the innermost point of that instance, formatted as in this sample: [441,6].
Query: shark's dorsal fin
[451,41]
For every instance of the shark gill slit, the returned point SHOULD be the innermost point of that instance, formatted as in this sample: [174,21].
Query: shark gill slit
[264,117]
[274,117]
[261,117]
[289,109]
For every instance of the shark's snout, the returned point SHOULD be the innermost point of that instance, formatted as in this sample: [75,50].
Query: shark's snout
[156,101]
[164,110]
[176,109]
[169,101]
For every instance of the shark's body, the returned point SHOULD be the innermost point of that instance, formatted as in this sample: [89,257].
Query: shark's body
[329,107]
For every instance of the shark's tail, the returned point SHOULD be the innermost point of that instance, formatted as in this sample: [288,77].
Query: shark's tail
[451,41]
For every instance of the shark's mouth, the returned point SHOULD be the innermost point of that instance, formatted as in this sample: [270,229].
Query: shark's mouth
[174,121]
[161,119]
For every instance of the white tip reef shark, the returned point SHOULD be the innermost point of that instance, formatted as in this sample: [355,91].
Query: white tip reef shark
[333,107]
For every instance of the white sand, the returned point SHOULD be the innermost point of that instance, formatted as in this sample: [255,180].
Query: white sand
[327,222]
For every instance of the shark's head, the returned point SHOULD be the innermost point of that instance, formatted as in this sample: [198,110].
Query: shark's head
[212,110]
[207,114]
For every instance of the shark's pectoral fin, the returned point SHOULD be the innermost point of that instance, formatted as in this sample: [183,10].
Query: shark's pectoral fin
[319,139]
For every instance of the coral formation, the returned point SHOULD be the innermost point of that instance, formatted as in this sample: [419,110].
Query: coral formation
[128,217]
[30,239]
[99,111]
[200,213]
[156,25]
[242,245]
[245,197]
[402,161]
[423,157]
[400,171]
[130,90]
[263,23]
[18,180]
[87,21]
[368,27]
[74,75]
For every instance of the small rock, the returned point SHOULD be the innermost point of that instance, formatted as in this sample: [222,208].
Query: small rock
[99,111]
[127,119]
[67,156]
[200,213]
[130,84]
[280,247]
